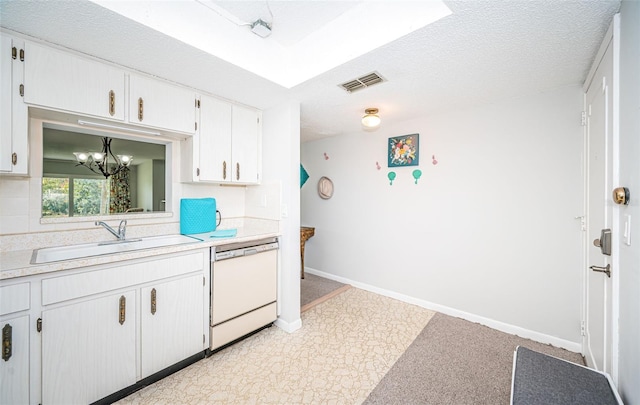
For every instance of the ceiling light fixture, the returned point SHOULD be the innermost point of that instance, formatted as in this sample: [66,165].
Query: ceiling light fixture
[371,118]
[98,162]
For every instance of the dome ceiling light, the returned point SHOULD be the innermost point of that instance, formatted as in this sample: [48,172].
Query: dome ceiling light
[371,118]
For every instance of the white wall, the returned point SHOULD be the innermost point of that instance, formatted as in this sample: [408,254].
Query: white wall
[629,261]
[489,232]
[281,159]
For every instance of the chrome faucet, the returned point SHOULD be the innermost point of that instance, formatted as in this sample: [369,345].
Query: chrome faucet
[122,229]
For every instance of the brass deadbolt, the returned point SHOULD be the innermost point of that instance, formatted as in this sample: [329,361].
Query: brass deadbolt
[621,195]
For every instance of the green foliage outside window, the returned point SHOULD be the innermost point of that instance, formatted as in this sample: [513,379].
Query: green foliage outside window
[87,196]
[55,197]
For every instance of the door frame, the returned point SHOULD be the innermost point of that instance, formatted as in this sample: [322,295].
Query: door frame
[613,36]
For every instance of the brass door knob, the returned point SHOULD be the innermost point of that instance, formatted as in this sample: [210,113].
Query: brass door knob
[621,195]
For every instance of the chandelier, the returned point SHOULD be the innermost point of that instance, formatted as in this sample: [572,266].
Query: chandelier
[100,162]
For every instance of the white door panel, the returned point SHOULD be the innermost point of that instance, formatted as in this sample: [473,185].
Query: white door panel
[598,296]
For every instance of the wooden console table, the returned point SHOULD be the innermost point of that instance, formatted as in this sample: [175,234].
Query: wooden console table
[305,234]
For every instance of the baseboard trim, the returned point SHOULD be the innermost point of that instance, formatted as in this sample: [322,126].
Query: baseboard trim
[575,347]
[289,327]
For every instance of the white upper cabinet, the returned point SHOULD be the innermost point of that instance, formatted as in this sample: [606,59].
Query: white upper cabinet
[245,136]
[215,140]
[229,143]
[13,111]
[62,81]
[154,103]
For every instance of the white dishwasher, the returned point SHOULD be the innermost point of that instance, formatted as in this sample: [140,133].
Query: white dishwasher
[243,289]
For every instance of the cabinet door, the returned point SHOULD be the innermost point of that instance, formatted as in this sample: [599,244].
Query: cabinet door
[172,322]
[215,140]
[157,104]
[14,371]
[245,144]
[67,82]
[13,111]
[88,349]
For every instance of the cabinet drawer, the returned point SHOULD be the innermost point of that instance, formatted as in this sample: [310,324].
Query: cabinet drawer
[63,288]
[238,327]
[14,298]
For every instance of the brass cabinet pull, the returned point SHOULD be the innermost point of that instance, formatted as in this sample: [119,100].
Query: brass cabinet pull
[237,171]
[14,158]
[224,170]
[153,301]
[140,109]
[21,90]
[6,342]
[21,55]
[14,52]
[123,309]
[112,103]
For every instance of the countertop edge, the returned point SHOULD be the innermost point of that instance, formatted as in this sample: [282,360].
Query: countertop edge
[25,269]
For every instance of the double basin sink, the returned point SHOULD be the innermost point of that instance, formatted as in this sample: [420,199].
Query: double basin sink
[55,254]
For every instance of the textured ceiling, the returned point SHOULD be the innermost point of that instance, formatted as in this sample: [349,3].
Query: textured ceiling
[483,52]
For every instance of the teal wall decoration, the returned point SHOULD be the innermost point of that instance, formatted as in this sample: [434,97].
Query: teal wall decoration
[391,176]
[416,175]
[304,176]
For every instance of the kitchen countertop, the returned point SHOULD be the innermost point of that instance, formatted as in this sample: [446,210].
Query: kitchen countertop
[17,263]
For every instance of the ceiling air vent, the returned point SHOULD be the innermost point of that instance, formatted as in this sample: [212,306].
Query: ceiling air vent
[362,82]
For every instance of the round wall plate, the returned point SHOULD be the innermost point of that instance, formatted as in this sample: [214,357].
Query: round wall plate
[325,188]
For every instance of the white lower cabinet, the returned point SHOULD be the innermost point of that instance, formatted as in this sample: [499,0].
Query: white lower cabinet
[14,326]
[14,368]
[89,349]
[105,328]
[172,314]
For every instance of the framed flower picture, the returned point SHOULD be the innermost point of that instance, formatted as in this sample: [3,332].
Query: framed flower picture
[403,150]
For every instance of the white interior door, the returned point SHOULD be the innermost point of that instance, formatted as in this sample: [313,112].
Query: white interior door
[598,331]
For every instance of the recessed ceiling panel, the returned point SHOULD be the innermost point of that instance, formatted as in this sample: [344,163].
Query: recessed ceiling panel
[308,38]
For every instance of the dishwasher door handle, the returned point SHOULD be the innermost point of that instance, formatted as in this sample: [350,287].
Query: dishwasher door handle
[248,252]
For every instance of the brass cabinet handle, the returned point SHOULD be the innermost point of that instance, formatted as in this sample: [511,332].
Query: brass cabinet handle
[237,171]
[6,342]
[123,309]
[14,158]
[140,109]
[14,53]
[224,170]
[21,55]
[153,301]
[112,103]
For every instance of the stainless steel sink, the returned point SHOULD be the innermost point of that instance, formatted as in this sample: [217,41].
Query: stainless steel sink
[54,254]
